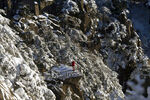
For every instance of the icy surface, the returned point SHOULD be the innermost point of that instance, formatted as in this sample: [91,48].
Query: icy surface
[64,72]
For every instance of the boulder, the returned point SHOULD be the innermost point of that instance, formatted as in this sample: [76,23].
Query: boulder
[68,79]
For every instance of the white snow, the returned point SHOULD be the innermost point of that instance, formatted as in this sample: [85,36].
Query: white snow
[6,91]
[137,90]
[64,72]
[17,61]
[61,68]
[23,95]
[35,3]
[17,69]
[4,20]
[42,17]
[85,2]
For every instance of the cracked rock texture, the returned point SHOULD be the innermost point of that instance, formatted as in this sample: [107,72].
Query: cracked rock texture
[38,45]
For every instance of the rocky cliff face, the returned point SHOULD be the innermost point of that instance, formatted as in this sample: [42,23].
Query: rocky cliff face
[36,51]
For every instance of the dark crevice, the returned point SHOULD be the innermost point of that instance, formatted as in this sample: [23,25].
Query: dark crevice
[124,75]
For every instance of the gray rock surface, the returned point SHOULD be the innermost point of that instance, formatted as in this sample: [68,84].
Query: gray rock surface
[18,70]
[36,52]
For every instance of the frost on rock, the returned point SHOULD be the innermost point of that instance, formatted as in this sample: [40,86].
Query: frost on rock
[25,82]
[64,72]
[92,4]
[5,91]
[63,76]
[103,43]
[55,42]
[70,7]
[85,2]
[3,20]
[137,90]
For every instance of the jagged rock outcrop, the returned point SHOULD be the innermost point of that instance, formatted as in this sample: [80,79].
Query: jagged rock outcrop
[97,35]
[62,78]
[18,69]
[62,47]
[5,92]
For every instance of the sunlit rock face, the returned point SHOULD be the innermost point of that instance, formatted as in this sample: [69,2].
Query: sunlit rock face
[100,36]
[54,44]
[19,73]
